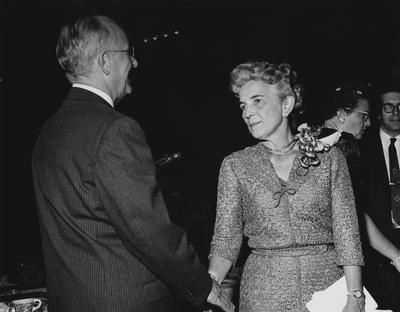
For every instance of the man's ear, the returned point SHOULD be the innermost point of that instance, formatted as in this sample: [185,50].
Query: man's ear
[287,105]
[104,63]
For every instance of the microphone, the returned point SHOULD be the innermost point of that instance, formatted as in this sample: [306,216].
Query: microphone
[167,159]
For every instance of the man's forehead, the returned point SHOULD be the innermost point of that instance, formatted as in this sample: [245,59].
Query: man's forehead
[391,97]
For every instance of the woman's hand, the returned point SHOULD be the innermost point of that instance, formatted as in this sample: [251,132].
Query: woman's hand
[396,263]
[354,304]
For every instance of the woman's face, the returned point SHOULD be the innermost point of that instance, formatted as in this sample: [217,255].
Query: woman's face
[357,119]
[261,108]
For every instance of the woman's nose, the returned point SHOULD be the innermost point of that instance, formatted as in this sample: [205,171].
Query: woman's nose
[247,113]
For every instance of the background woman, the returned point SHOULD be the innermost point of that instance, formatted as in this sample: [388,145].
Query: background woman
[299,216]
[348,120]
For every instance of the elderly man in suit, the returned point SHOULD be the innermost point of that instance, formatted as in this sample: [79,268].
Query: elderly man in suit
[108,242]
[381,151]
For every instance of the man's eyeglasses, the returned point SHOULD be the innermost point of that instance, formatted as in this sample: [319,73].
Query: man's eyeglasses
[129,51]
[389,108]
[364,113]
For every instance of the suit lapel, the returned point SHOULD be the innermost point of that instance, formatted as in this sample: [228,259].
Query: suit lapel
[377,163]
[378,181]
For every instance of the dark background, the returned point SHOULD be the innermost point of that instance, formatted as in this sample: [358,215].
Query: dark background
[181,88]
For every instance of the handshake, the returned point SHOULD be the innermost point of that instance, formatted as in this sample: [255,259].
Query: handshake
[220,298]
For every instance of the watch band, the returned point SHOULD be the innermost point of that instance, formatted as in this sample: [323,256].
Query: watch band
[356,293]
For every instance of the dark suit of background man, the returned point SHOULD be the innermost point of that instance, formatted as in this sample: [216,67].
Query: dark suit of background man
[384,194]
[108,242]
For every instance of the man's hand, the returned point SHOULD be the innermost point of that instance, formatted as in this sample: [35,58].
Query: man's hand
[219,298]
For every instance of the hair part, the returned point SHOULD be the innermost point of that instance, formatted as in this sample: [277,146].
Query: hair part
[80,42]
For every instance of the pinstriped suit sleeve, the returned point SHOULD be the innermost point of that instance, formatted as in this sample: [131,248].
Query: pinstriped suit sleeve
[127,186]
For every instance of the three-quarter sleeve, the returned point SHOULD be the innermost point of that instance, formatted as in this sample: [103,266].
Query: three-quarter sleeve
[228,230]
[344,217]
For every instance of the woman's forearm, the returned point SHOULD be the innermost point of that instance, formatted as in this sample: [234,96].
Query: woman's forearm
[355,298]
[378,241]
[219,267]
[353,277]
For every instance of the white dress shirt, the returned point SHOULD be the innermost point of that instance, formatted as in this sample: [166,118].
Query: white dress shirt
[100,93]
[385,139]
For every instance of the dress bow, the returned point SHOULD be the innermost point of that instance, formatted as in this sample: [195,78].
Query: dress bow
[278,194]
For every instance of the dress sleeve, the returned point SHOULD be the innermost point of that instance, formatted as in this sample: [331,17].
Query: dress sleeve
[346,233]
[228,230]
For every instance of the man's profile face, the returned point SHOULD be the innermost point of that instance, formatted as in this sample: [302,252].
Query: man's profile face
[390,122]
[122,64]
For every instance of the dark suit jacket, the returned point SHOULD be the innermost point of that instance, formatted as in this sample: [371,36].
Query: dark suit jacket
[108,242]
[380,277]
[377,186]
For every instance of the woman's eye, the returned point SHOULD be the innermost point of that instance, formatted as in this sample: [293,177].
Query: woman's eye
[241,106]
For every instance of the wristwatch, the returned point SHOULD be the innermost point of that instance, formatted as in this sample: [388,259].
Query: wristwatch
[356,293]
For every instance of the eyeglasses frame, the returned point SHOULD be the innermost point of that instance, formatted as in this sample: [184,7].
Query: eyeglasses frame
[392,108]
[129,51]
[366,115]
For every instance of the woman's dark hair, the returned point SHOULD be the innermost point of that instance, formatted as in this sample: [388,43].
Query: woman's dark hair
[346,95]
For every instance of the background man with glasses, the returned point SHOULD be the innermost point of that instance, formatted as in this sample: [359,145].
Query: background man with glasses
[107,239]
[381,151]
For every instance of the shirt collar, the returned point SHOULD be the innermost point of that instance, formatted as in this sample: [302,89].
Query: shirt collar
[100,93]
[385,138]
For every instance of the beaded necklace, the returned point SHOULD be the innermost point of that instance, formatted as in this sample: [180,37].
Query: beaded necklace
[283,150]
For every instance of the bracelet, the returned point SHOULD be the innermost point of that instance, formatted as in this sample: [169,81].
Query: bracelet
[396,263]
[214,277]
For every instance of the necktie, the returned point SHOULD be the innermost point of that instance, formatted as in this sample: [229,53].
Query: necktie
[394,183]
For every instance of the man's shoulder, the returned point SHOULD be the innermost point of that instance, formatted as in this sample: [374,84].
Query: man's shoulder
[84,116]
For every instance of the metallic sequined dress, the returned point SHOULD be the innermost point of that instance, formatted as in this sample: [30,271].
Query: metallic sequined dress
[300,231]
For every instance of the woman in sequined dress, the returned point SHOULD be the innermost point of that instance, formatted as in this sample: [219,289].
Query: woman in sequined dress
[299,217]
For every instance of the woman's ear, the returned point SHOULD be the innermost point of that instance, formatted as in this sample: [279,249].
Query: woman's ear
[341,115]
[287,105]
[104,63]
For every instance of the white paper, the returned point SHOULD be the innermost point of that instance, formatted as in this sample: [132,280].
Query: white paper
[334,298]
